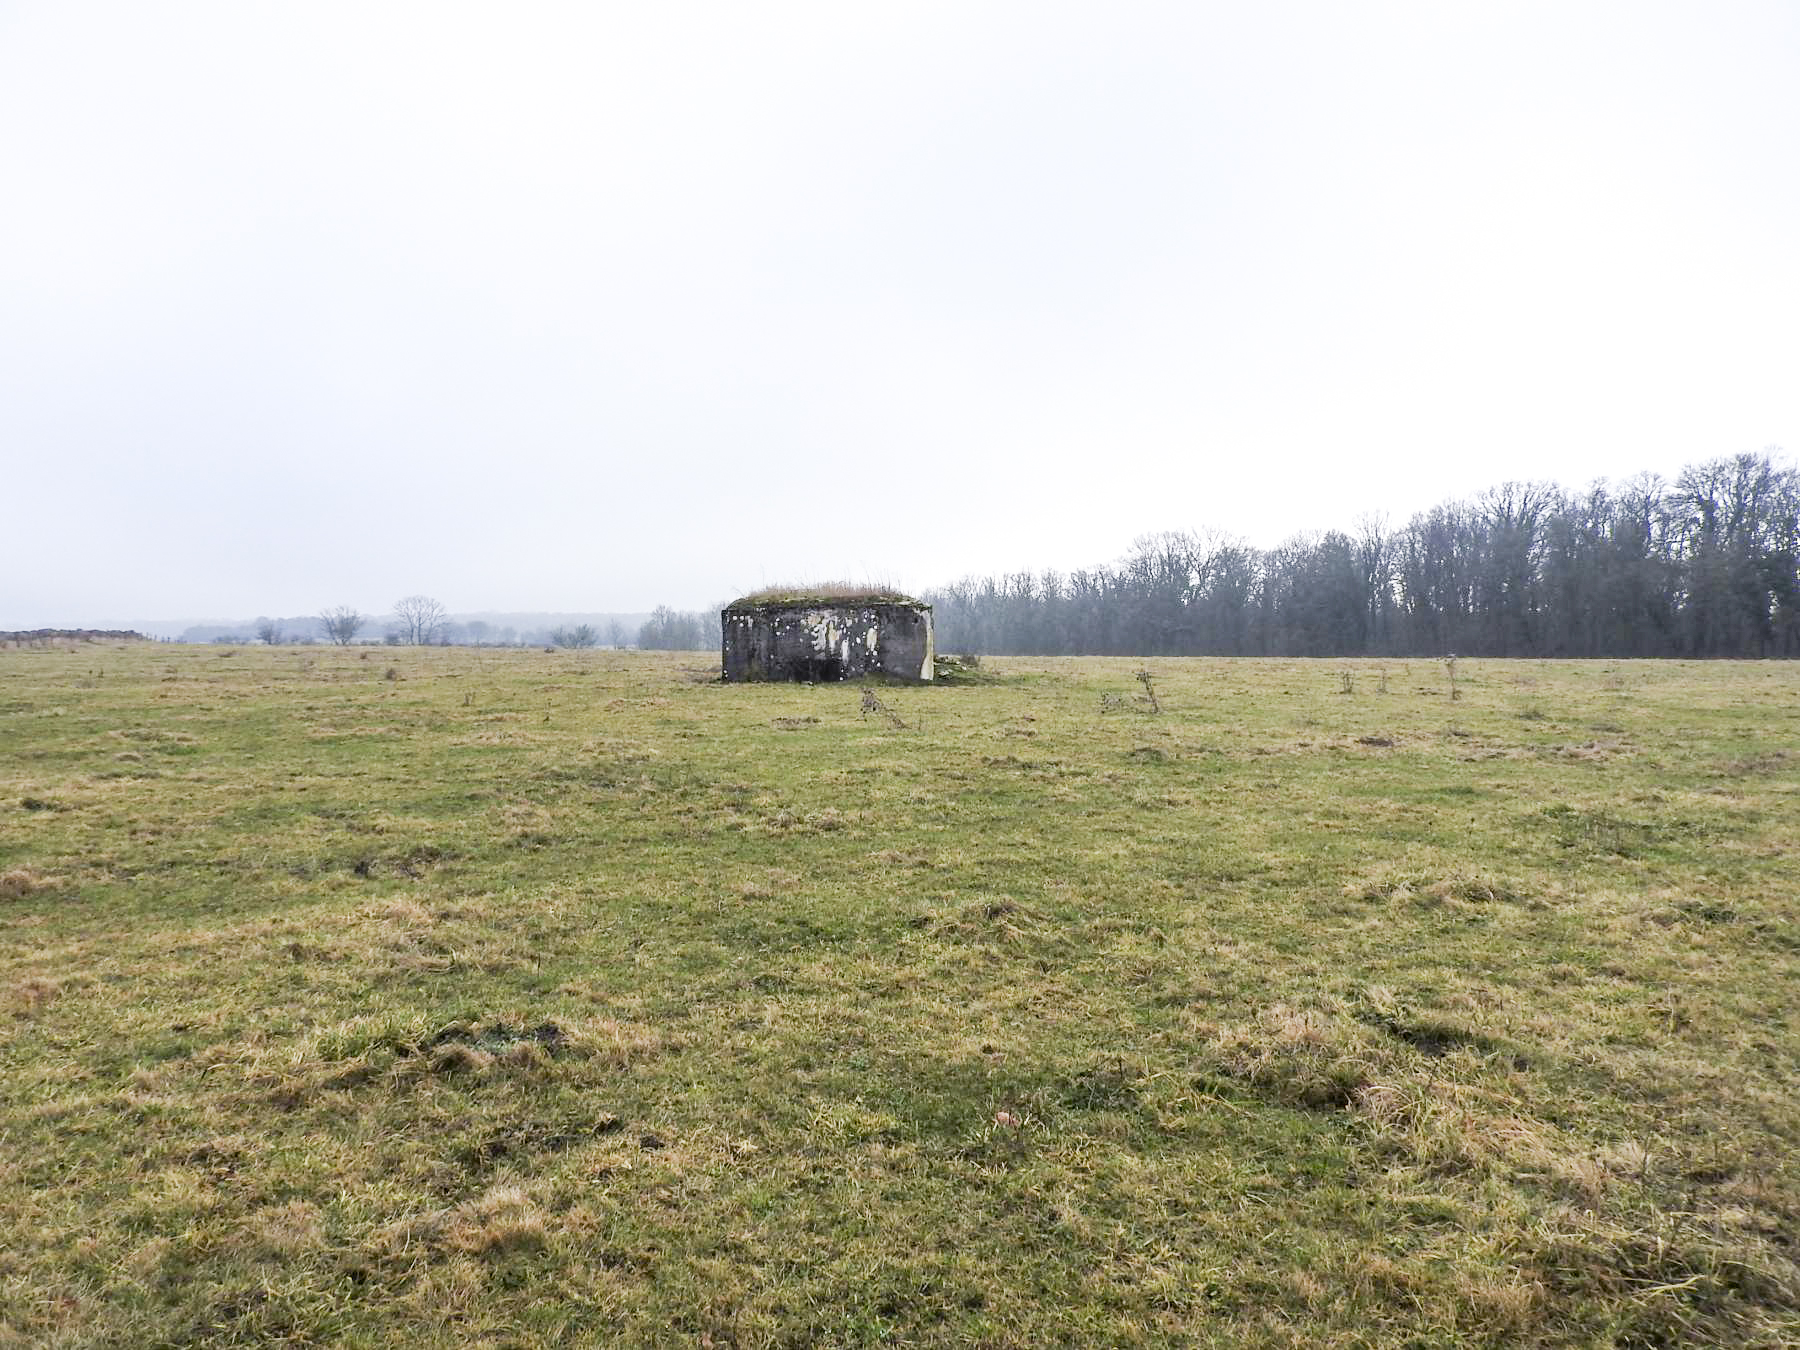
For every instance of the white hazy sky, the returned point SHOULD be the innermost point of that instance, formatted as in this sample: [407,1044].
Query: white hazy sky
[597,306]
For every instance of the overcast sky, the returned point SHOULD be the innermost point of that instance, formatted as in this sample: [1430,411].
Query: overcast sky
[595,306]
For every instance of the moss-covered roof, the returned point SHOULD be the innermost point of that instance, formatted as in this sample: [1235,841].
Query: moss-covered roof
[825,593]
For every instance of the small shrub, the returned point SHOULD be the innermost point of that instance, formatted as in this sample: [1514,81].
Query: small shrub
[872,704]
[1144,678]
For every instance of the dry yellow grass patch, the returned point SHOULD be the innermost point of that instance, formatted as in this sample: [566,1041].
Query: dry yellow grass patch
[618,1044]
[502,1219]
[286,1230]
[1302,1056]
[30,994]
[19,882]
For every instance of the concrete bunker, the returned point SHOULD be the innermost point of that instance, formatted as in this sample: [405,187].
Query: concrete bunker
[826,634]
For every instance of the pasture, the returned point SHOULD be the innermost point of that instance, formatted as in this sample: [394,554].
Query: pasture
[449,997]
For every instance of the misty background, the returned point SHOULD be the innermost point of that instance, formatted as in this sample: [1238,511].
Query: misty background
[582,310]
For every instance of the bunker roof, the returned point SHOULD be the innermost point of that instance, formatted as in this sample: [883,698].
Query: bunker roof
[825,593]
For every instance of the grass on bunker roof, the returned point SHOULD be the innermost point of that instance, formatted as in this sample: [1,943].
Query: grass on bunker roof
[564,997]
[825,593]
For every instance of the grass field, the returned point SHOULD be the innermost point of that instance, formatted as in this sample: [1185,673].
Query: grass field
[513,998]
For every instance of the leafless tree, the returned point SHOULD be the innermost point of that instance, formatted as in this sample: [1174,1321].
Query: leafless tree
[670,631]
[342,624]
[269,630]
[582,635]
[421,618]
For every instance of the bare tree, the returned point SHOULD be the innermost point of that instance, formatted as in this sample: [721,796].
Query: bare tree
[670,631]
[421,618]
[582,635]
[269,630]
[342,624]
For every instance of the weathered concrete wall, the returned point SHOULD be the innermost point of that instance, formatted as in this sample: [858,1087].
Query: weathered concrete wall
[826,642]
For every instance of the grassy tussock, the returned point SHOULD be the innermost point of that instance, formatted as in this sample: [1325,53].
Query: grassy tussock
[17,883]
[28,995]
[502,1219]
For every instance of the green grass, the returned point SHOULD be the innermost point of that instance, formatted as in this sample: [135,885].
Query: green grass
[543,999]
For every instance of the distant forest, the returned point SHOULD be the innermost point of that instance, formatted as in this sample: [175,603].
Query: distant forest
[1705,566]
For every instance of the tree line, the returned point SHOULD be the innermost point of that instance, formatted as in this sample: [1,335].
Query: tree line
[423,621]
[1706,565]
